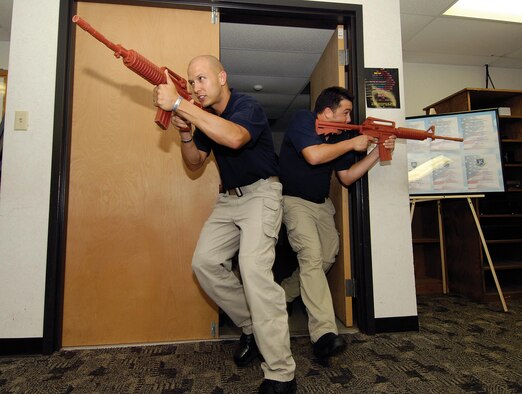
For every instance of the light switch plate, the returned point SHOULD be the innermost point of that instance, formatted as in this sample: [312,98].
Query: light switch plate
[21,120]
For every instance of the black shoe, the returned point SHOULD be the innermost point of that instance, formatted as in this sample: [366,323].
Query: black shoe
[328,345]
[274,387]
[246,350]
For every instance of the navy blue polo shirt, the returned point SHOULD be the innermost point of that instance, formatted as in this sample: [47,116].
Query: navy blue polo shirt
[299,178]
[253,161]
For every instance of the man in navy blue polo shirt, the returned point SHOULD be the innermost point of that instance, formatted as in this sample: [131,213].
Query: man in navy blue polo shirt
[246,217]
[307,161]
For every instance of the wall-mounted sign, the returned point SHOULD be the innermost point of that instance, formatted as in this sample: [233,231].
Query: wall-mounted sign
[382,87]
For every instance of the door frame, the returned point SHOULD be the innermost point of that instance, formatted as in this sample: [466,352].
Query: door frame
[284,12]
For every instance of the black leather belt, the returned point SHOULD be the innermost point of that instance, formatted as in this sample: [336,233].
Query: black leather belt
[240,191]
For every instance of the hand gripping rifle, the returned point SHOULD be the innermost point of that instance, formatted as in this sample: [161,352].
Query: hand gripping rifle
[380,129]
[144,68]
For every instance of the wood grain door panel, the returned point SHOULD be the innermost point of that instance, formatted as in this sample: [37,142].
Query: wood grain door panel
[134,210]
[328,72]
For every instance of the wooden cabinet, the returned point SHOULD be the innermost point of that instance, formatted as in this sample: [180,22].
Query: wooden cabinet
[500,214]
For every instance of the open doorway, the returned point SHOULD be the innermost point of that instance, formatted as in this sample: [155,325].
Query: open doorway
[276,64]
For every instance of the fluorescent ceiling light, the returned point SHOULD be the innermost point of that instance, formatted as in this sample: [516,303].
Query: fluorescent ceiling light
[502,10]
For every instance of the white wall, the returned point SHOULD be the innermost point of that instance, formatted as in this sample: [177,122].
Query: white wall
[392,255]
[24,193]
[425,84]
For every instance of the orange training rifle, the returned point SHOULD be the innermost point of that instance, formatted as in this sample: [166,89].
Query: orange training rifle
[380,129]
[144,68]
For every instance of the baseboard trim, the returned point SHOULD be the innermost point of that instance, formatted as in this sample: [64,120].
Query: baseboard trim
[396,324]
[13,346]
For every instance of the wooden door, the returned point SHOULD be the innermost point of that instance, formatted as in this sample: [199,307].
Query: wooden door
[3,95]
[134,210]
[329,72]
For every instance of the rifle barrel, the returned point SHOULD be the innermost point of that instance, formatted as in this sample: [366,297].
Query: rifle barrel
[441,137]
[118,49]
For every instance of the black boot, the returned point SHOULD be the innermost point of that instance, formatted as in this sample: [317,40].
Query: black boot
[274,387]
[328,345]
[246,350]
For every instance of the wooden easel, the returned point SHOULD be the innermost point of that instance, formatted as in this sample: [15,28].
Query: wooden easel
[416,199]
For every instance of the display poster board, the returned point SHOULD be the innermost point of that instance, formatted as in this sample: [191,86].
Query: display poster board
[450,167]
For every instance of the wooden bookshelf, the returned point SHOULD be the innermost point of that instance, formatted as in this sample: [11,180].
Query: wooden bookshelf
[500,214]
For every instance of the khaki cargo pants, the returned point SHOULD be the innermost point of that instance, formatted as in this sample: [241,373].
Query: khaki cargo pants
[313,236]
[256,304]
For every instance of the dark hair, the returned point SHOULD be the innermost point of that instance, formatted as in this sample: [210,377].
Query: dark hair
[331,98]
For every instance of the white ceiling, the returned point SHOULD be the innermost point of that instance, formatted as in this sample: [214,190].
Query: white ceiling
[282,58]
[6,10]
[279,58]
[430,37]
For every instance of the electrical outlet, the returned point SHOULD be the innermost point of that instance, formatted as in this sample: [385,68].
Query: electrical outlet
[21,120]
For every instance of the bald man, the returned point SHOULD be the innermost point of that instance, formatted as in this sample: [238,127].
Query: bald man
[246,217]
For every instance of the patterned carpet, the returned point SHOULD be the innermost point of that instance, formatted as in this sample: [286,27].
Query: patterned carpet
[462,347]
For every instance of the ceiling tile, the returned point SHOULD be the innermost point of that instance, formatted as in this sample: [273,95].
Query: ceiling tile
[273,100]
[425,7]
[270,84]
[507,62]
[467,37]
[516,54]
[445,58]
[273,38]
[6,11]
[412,25]
[267,63]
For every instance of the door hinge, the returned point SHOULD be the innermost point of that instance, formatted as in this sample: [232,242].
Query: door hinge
[214,15]
[350,288]
[343,57]
[213,329]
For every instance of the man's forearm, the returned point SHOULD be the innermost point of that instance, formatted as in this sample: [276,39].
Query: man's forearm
[356,171]
[324,153]
[192,156]
[220,130]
